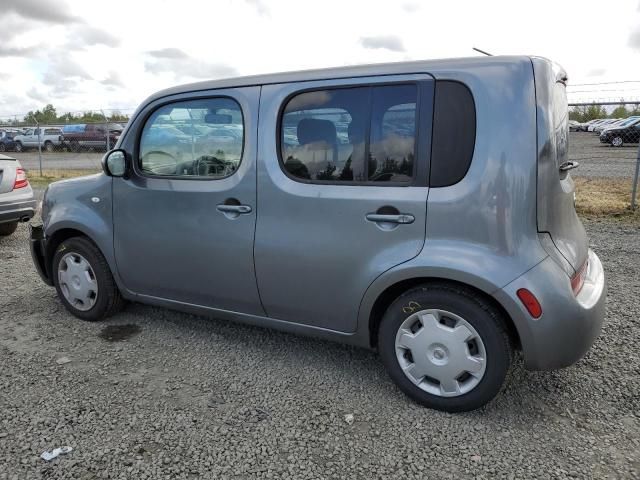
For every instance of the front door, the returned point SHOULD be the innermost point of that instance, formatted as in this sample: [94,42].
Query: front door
[342,189]
[184,220]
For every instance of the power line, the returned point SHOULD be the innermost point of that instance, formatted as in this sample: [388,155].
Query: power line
[601,83]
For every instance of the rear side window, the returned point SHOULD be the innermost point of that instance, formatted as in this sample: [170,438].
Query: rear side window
[196,138]
[363,135]
[454,133]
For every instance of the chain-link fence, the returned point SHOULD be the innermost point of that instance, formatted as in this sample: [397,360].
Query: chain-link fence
[46,142]
[605,140]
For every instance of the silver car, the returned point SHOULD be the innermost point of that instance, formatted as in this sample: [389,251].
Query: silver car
[396,207]
[17,203]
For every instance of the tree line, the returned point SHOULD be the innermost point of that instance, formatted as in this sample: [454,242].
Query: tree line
[49,116]
[591,112]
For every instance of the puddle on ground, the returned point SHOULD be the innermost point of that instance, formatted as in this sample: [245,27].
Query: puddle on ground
[118,333]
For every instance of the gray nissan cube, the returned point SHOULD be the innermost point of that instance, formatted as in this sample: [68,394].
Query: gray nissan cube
[423,209]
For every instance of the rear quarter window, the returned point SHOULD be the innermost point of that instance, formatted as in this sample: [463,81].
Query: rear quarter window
[454,133]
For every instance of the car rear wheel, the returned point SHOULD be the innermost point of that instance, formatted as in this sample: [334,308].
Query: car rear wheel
[83,280]
[446,347]
[8,228]
[74,146]
[617,141]
[2,147]
[19,147]
[48,146]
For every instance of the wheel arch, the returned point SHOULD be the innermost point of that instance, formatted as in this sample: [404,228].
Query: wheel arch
[393,291]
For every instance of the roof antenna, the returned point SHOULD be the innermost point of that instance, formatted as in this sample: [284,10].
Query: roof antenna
[482,51]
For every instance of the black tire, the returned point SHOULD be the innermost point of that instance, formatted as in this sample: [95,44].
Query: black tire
[2,147]
[74,146]
[615,139]
[478,312]
[108,301]
[8,228]
[19,148]
[48,147]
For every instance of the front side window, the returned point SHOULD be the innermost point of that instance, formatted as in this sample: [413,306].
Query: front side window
[361,134]
[196,138]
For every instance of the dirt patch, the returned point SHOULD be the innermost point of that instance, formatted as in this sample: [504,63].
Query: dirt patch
[597,197]
[118,333]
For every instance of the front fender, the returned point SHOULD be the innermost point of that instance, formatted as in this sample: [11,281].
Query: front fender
[82,204]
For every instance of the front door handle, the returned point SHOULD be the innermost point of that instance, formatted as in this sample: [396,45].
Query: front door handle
[238,209]
[400,218]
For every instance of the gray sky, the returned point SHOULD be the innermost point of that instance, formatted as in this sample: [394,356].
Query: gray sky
[82,55]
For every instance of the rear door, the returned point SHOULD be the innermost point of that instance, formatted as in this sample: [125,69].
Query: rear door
[556,192]
[342,191]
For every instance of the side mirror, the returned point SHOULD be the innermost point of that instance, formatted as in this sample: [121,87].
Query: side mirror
[114,163]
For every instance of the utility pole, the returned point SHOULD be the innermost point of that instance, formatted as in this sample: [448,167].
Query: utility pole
[39,143]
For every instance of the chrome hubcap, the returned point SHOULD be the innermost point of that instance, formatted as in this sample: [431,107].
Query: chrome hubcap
[77,281]
[617,141]
[440,352]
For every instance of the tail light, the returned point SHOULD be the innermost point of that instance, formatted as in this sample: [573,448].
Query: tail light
[21,179]
[530,302]
[577,281]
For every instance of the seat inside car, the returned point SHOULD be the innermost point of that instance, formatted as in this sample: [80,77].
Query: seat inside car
[317,149]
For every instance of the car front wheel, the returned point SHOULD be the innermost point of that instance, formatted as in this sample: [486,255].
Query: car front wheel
[617,141]
[19,147]
[83,280]
[446,347]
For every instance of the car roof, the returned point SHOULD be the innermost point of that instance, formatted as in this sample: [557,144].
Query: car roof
[396,68]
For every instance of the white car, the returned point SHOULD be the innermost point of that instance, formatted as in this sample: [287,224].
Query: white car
[49,138]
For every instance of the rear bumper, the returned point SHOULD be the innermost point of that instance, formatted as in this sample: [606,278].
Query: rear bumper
[569,324]
[17,211]
[38,247]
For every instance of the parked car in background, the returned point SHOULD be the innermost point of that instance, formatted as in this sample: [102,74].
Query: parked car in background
[574,126]
[606,124]
[596,123]
[49,138]
[17,203]
[6,140]
[236,217]
[77,137]
[618,136]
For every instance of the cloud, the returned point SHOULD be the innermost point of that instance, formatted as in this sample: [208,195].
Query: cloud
[260,6]
[38,96]
[410,7]
[171,53]
[6,51]
[85,35]
[113,80]
[634,39]
[597,72]
[388,42]
[176,61]
[61,67]
[48,11]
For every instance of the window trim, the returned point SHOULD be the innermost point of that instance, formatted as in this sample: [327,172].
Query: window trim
[419,149]
[136,163]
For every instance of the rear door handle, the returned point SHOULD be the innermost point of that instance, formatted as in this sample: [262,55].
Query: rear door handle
[239,209]
[566,166]
[400,218]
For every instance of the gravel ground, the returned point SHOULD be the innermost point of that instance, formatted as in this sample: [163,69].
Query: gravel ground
[154,394]
[596,160]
